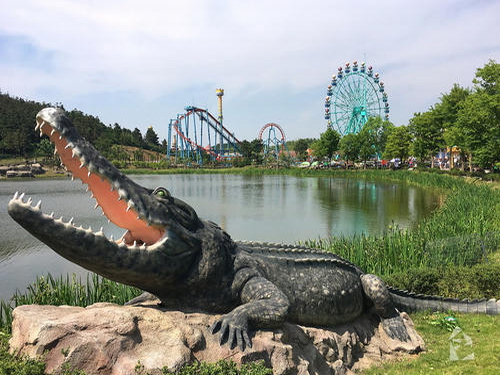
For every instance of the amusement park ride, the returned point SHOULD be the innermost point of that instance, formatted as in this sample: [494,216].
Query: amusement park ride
[273,139]
[354,95]
[197,135]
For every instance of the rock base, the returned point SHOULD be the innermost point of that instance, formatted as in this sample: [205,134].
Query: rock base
[110,339]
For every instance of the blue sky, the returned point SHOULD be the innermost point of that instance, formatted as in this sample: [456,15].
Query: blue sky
[140,63]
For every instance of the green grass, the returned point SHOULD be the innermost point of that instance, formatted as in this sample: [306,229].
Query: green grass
[436,332]
[10,365]
[69,290]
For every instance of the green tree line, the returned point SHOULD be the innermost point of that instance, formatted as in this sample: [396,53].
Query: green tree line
[464,119]
[18,137]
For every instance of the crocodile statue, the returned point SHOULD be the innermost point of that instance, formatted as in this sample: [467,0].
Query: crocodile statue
[189,263]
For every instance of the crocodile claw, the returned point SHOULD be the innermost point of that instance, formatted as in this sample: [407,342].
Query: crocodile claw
[395,328]
[233,329]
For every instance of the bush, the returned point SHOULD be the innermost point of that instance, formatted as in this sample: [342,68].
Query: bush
[12,365]
[479,281]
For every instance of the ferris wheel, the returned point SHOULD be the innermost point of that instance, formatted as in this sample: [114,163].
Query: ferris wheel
[354,95]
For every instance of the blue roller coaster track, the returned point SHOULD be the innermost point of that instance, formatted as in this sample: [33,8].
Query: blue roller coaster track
[198,136]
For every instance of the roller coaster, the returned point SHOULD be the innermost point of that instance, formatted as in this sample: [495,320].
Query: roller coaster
[198,136]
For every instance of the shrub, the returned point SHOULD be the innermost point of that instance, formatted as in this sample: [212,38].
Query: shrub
[479,281]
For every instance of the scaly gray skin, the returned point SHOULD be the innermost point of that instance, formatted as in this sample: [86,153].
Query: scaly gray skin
[193,264]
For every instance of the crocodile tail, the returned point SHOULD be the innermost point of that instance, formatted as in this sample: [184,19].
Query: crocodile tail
[410,302]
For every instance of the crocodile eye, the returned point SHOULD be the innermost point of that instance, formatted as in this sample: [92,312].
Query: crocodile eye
[161,192]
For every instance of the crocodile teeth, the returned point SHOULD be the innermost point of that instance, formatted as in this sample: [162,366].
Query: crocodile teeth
[130,204]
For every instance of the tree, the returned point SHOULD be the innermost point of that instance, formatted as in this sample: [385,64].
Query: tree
[300,147]
[478,119]
[151,138]
[427,135]
[349,147]
[398,143]
[45,149]
[367,148]
[374,135]
[327,144]
[479,129]
[488,78]
[251,151]
[446,111]
[137,138]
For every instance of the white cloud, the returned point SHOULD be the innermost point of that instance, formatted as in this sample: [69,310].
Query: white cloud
[256,50]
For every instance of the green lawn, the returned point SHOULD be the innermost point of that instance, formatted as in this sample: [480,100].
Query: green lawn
[483,330]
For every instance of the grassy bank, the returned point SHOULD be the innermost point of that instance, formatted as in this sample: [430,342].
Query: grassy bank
[476,344]
[453,253]
[436,330]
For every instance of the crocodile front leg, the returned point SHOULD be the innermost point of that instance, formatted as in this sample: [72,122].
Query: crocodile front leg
[376,290]
[264,305]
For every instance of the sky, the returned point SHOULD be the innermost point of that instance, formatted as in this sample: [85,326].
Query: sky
[140,63]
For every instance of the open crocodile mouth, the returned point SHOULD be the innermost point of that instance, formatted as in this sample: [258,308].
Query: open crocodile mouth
[111,190]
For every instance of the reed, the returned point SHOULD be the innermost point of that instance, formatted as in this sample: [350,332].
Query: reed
[67,290]
[464,231]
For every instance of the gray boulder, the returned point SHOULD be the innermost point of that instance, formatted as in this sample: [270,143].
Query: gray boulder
[110,339]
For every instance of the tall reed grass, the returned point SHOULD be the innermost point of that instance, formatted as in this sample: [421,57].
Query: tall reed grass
[465,230]
[68,290]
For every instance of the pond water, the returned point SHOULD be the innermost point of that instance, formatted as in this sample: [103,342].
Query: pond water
[264,208]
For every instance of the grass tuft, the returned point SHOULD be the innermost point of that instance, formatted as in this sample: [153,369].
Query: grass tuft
[47,290]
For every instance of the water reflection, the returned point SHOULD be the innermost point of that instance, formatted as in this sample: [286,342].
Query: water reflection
[263,208]
[354,205]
